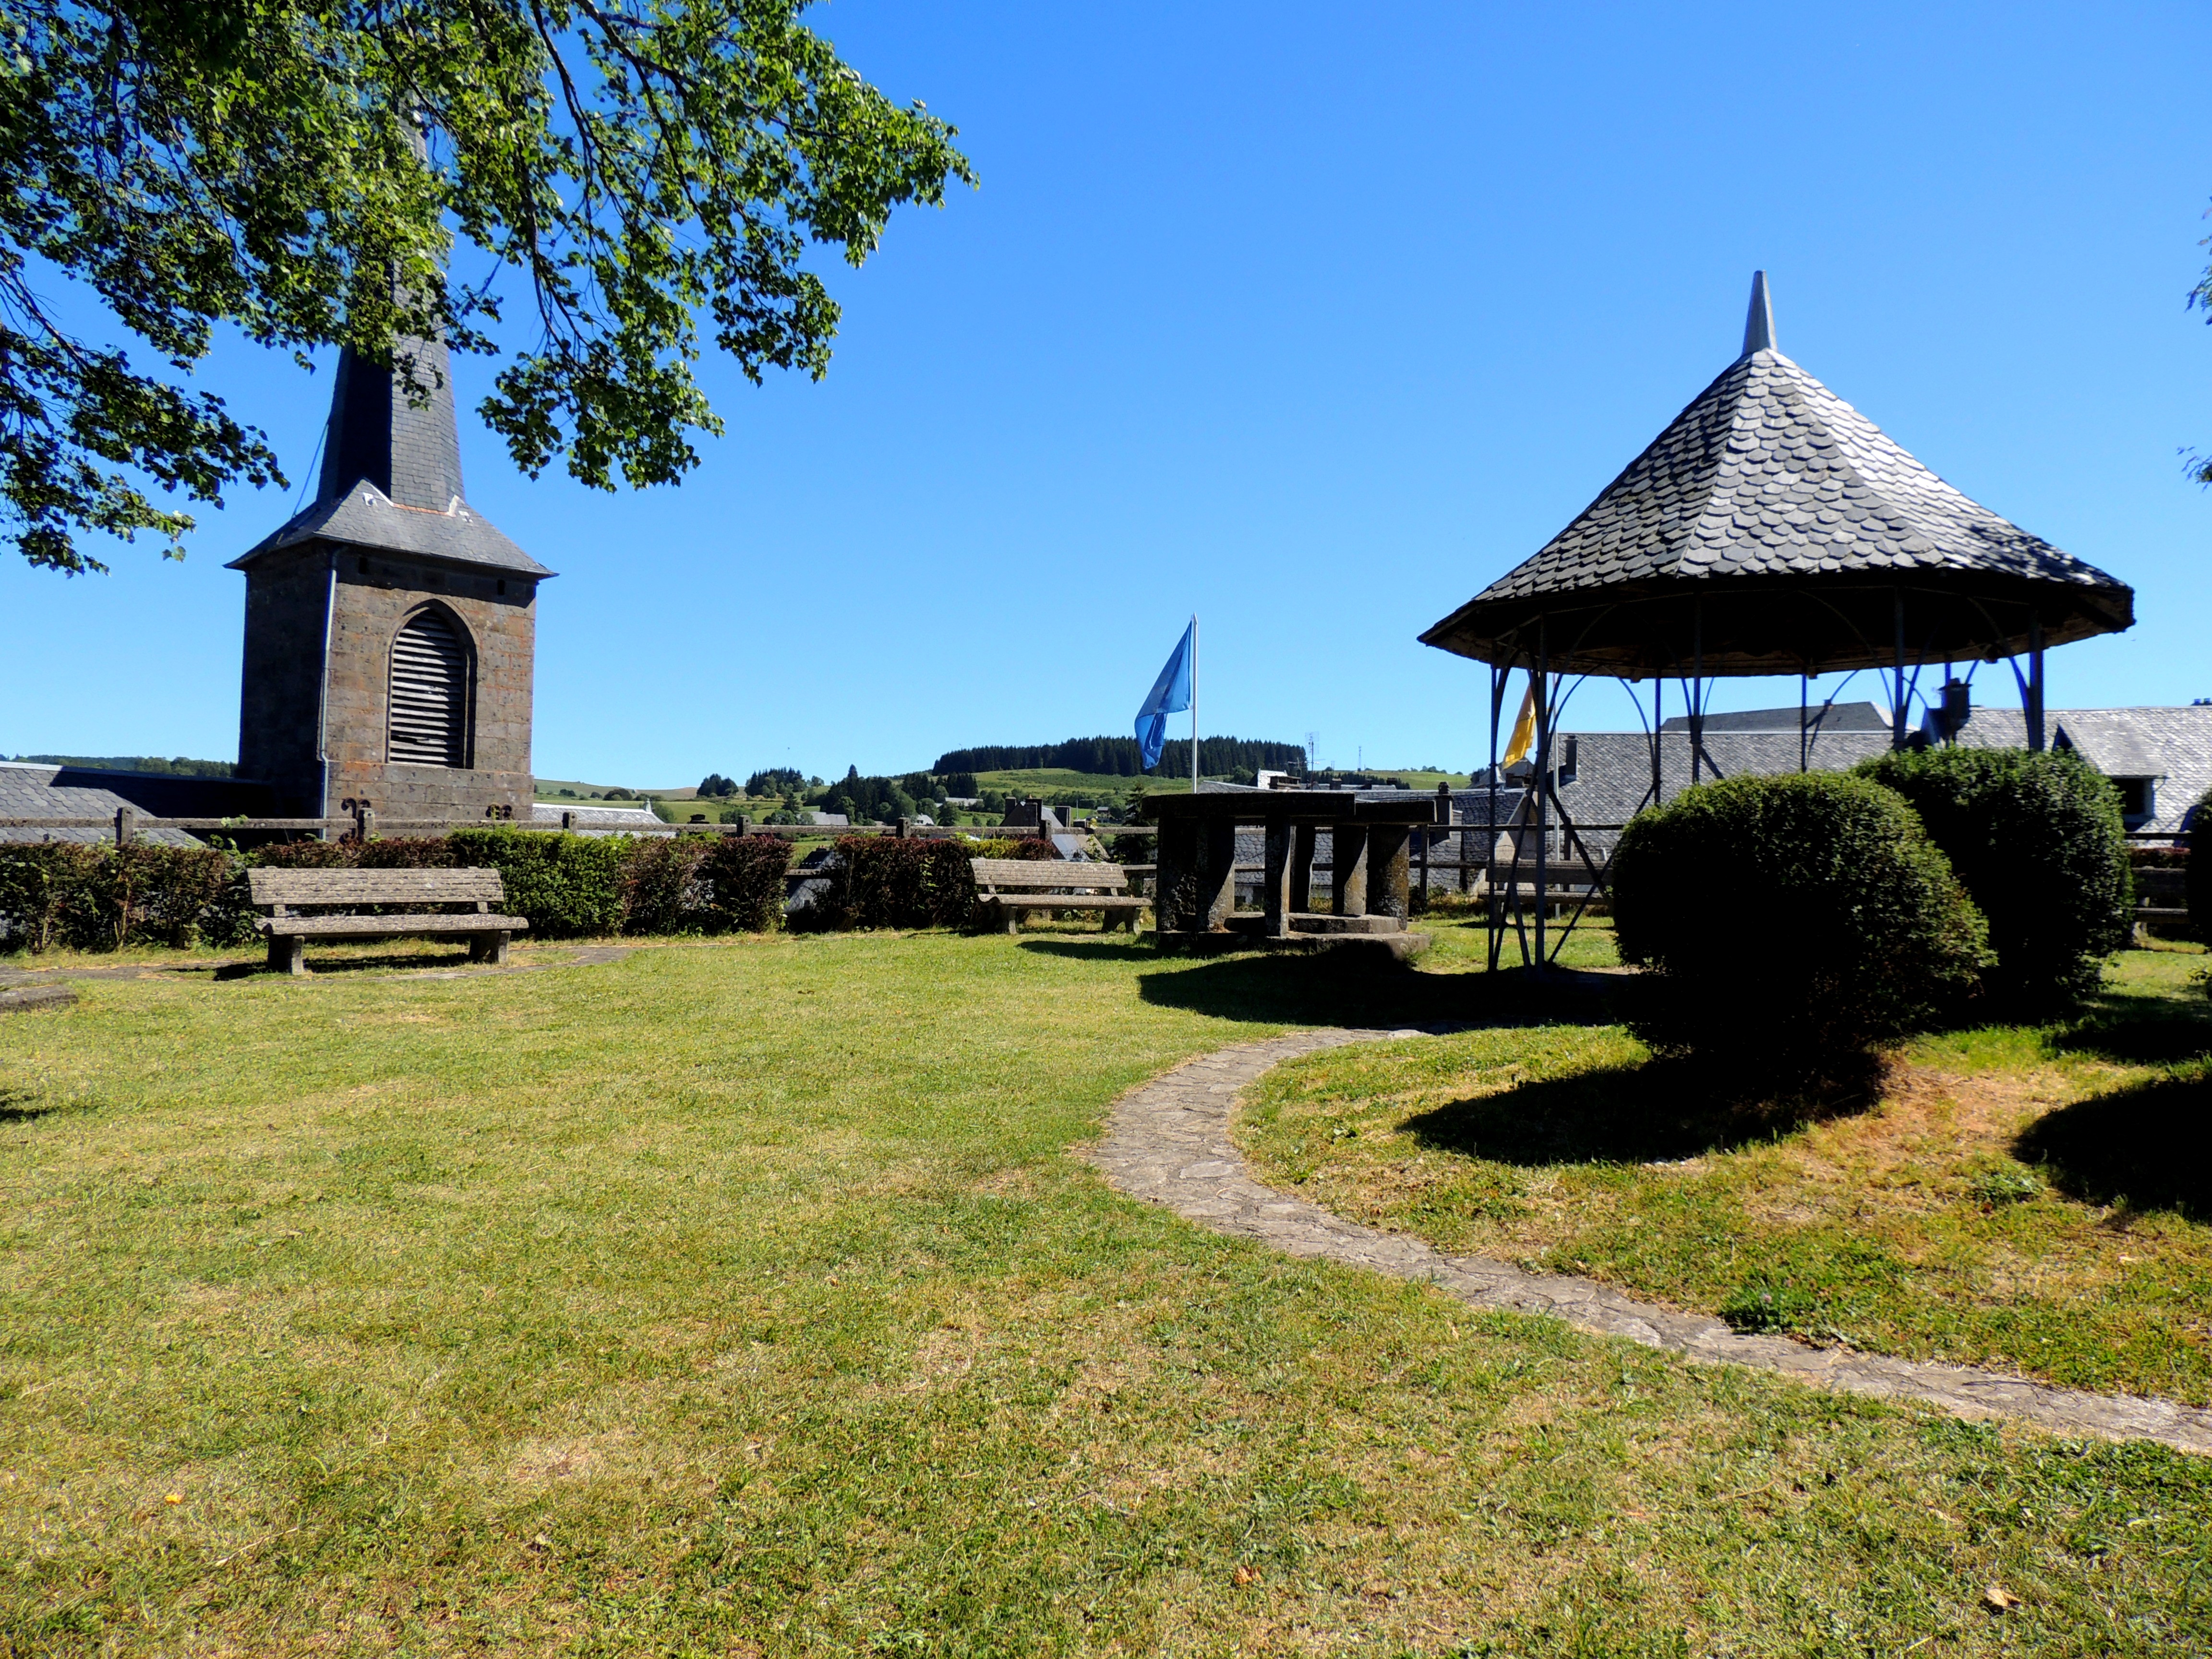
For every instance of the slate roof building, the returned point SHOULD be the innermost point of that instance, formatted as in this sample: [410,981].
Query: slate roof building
[2160,758]
[34,790]
[390,630]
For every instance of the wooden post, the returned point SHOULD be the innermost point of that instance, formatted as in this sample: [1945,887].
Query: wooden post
[904,830]
[1301,860]
[1388,891]
[1347,858]
[743,824]
[568,820]
[126,825]
[1275,886]
[364,823]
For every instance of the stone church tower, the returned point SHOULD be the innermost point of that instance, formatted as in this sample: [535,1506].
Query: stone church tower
[389,629]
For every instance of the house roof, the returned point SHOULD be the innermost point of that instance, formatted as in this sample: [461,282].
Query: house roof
[392,472]
[35,790]
[1840,717]
[2172,746]
[1775,527]
[1613,769]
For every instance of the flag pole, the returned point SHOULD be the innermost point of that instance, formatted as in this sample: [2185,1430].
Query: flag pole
[1194,702]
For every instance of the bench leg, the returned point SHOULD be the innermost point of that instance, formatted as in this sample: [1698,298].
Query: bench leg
[1012,923]
[489,947]
[288,955]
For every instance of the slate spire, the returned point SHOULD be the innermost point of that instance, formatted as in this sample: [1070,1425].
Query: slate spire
[1758,324]
[409,452]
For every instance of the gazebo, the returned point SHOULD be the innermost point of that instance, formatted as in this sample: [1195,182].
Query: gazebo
[1773,529]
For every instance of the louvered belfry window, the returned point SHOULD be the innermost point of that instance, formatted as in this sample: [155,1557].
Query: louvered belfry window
[429,692]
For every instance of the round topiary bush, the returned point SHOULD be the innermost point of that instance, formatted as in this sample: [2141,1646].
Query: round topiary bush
[1790,922]
[2040,844]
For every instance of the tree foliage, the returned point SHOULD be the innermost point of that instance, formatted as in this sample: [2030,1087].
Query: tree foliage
[306,170]
[1122,758]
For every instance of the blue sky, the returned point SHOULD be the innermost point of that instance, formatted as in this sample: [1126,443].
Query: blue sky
[1313,320]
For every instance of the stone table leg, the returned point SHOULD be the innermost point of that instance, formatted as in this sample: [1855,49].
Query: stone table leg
[1215,892]
[1174,881]
[1275,883]
[1389,890]
[1301,860]
[1347,861]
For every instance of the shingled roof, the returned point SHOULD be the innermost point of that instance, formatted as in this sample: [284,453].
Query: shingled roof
[1796,527]
[392,472]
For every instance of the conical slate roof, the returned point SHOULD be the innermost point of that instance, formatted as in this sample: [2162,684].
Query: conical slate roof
[1776,526]
[392,472]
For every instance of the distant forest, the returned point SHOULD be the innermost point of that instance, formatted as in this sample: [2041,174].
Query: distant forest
[1121,757]
[179,768]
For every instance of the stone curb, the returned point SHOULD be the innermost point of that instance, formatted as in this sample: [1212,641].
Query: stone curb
[1167,1142]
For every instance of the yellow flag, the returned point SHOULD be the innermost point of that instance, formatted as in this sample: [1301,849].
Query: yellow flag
[1524,728]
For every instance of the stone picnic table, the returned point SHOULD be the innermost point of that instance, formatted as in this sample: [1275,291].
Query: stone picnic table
[1195,895]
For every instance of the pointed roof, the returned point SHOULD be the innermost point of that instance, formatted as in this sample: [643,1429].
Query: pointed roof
[1796,528]
[391,471]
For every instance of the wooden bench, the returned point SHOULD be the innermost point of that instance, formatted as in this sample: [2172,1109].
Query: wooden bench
[1018,884]
[282,892]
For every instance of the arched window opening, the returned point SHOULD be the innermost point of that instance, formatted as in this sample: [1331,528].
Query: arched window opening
[430,692]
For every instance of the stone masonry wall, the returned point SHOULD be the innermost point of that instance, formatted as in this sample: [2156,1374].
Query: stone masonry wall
[501,629]
[286,599]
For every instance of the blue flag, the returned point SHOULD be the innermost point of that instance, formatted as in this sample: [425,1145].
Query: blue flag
[1170,695]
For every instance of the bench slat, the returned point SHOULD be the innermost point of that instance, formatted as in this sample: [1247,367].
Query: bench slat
[384,927]
[1032,875]
[1069,902]
[272,886]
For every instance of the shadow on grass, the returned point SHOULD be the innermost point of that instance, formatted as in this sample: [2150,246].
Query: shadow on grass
[1344,987]
[2149,1146]
[2140,1030]
[22,1106]
[1657,1112]
[329,967]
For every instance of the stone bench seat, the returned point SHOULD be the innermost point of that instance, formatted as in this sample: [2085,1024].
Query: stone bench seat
[1015,885]
[282,892]
[340,928]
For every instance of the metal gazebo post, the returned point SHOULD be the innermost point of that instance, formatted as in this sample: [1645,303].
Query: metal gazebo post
[1541,779]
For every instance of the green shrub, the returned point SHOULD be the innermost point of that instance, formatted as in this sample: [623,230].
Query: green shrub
[568,886]
[104,898]
[661,892]
[1790,922]
[2039,845]
[39,884]
[743,878]
[894,883]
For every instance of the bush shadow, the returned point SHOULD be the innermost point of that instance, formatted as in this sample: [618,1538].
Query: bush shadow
[2136,1031]
[1658,1112]
[1349,987]
[2148,1146]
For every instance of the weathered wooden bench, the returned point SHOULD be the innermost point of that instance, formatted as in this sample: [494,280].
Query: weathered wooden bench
[1018,884]
[282,892]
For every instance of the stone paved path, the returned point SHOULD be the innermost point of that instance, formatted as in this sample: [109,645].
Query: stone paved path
[1167,1142]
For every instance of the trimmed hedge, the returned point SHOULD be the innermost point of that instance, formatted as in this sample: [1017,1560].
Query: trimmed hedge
[1791,921]
[882,881]
[2040,844]
[103,898]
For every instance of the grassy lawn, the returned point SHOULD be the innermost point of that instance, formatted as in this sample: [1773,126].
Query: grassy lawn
[743,1298]
[2032,1199]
